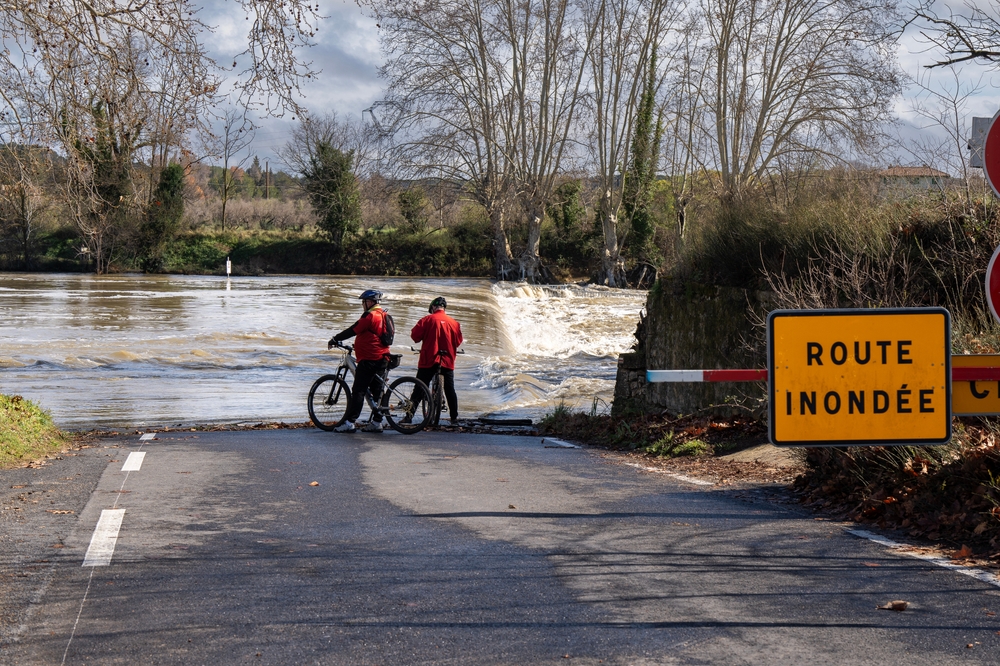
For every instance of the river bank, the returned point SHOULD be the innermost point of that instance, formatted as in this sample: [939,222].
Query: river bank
[26,431]
[463,250]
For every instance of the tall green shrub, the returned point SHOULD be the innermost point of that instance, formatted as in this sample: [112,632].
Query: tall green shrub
[412,204]
[570,240]
[566,209]
[333,192]
[163,216]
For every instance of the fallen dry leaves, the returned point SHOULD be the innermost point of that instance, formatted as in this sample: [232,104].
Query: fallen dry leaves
[717,470]
[948,495]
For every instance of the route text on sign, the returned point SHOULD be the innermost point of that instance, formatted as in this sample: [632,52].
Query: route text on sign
[841,377]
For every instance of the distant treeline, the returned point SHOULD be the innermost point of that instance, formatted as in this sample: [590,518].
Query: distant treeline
[188,217]
[837,237]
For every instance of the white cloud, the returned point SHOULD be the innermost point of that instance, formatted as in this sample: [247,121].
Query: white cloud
[346,53]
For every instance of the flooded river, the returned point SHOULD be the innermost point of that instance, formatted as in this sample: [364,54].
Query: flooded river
[146,351]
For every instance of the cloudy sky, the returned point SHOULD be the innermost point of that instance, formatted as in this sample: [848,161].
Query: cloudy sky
[347,53]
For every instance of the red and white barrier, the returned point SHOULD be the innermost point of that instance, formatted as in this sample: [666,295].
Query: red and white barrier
[657,376]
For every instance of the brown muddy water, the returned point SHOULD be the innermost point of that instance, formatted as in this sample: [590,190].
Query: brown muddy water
[145,351]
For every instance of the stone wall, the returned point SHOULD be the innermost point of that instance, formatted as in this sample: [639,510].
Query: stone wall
[694,327]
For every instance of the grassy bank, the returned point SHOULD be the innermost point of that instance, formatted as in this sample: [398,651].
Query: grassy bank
[460,251]
[464,249]
[655,434]
[26,432]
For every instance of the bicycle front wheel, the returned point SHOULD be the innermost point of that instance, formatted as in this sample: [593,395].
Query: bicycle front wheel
[407,405]
[329,398]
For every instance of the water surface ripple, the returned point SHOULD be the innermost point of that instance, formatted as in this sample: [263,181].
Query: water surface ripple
[145,351]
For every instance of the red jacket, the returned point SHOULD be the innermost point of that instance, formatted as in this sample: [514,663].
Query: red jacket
[367,347]
[437,332]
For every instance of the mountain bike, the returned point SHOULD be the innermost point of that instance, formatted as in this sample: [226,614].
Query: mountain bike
[405,403]
[437,389]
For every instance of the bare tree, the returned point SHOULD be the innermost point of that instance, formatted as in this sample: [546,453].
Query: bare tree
[684,142]
[446,107]
[487,92]
[235,136]
[175,115]
[793,77]
[344,134]
[98,117]
[627,35]
[971,34]
[943,107]
[108,84]
[546,55]
[22,202]
[42,35]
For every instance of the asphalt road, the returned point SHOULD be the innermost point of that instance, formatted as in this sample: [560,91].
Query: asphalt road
[446,548]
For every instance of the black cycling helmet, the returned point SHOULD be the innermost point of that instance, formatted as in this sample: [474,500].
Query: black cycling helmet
[438,302]
[371,295]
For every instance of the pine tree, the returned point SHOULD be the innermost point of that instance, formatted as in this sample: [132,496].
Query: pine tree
[255,173]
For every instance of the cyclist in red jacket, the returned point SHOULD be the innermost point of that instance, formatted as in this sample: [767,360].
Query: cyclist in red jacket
[372,357]
[439,332]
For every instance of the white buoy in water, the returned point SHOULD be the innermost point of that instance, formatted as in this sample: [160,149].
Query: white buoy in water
[229,269]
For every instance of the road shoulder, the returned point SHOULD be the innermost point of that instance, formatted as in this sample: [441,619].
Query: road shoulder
[40,505]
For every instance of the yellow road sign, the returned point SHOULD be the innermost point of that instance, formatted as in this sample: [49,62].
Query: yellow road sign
[975,398]
[859,377]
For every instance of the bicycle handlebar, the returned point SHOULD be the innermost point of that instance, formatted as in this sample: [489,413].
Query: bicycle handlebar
[441,352]
[339,345]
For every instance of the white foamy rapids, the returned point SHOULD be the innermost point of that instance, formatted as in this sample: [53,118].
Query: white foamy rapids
[564,320]
[565,344]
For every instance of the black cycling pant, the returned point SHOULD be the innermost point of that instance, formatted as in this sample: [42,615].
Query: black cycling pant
[426,375]
[366,377]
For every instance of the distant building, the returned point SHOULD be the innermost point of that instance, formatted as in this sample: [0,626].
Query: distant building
[902,179]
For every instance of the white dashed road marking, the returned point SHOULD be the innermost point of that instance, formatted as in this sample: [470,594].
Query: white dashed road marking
[102,544]
[148,436]
[134,461]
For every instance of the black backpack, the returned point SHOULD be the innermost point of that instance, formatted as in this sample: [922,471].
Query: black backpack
[388,333]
